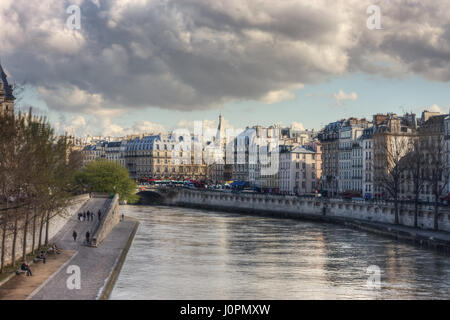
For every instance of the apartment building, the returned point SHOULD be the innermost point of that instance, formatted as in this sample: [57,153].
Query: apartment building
[115,151]
[329,138]
[432,144]
[93,152]
[300,168]
[447,148]
[393,138]
[164,156]
[350,155]
[367,162]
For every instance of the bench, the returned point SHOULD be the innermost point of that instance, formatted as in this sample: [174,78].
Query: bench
[20,271]
[38,258]
[51,251]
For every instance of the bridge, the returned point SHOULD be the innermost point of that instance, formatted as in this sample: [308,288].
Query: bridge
[156,195]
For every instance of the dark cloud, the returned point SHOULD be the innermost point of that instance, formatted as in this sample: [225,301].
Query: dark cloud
[198,54]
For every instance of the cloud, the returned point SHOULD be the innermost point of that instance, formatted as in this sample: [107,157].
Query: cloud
[341,96]
[201,54]
[207,124]
[148,127]
[94,126]
[297,126]
[435,108]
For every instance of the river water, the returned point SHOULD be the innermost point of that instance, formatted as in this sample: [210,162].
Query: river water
[181,253]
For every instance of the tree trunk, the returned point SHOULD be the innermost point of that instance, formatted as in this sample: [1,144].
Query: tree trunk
[4,228]
[25,234]
[436,215]
[13,251]
[41,230]
[396,211]
[47,228]
[33,245]
[416,210]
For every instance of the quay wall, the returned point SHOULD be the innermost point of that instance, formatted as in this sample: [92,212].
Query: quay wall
[311,208]
[110,218]
[56,223]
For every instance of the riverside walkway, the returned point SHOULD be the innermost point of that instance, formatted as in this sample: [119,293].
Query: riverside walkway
[96,265]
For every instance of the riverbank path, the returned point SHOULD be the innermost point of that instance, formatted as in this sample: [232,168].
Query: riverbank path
[95,265]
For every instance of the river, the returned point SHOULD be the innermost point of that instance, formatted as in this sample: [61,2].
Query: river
[181,253]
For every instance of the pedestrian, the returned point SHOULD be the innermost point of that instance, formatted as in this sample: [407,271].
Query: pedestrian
[84,216]
[41,256]
[87,237]
[79,215]
[99,214]
[26,267]
[74,235]
[123,217]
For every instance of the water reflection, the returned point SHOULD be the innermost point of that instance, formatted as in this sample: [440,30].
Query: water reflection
[191,254]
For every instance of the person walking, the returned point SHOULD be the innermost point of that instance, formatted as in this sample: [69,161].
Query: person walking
[74,235]
[87,237]
[99,214]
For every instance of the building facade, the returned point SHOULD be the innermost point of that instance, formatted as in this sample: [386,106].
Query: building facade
[300,169]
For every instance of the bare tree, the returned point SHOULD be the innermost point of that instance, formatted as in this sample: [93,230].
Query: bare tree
[415,162]
[437,172]
[390,170]
[36,180]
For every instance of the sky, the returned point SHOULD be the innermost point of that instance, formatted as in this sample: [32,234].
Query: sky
[136,66]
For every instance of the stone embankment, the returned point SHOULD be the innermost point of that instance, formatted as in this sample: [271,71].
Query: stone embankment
[56,223]
[110,218]
[98,265]
[376,217]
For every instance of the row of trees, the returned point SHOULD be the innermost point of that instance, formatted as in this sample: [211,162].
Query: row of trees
[420,162]
[36,181]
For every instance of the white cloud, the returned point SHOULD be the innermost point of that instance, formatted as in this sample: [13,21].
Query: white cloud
[342,96]
[201,54]
[436,108]
[147,127]
[297,126]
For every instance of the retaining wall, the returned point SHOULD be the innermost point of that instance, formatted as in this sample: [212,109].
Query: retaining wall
[110,218]
[56,224]
[306,207]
